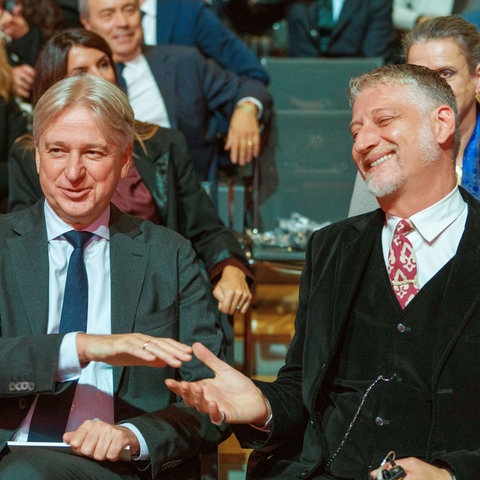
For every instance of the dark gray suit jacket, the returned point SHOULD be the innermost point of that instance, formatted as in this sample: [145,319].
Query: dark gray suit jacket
[156,289]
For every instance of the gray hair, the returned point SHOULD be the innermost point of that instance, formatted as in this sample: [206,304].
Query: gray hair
[427,89]
[108,105]
[463,33]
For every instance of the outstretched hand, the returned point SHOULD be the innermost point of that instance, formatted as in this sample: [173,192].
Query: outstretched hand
[229,393]
[132,349]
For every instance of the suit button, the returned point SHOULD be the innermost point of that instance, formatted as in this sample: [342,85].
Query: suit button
[313,33]
[22,403]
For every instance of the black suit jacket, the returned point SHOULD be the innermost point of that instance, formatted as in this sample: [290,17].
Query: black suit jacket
[156,289]
[336,258]
[194,90]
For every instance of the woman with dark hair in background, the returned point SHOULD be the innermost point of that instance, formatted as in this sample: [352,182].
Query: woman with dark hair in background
[161,185]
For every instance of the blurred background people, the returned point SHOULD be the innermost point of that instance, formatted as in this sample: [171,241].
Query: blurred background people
[26,25]
[174,86]
[195,23]
[332,28]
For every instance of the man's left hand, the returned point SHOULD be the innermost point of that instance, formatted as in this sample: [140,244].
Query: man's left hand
[243,139]
[232,291]
[418,470]
[101,441]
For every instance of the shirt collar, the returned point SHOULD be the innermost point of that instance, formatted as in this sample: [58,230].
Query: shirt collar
[432,221]
[149,7]
[56,227]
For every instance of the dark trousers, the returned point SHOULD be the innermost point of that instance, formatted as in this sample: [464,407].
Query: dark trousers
[43,464]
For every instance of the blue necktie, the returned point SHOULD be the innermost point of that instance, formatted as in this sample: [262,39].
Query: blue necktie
[51,412]
[325,23]
[122,83]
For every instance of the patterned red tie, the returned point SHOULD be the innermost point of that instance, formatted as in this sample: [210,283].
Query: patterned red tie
[402,266]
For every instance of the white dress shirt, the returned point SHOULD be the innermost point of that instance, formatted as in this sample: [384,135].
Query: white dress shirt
[143,93]
[149,21]
[438,230]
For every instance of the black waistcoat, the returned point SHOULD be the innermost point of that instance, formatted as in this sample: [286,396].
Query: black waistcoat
[388,352]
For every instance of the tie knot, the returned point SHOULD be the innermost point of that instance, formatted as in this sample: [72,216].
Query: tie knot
[77,238]
[404,227]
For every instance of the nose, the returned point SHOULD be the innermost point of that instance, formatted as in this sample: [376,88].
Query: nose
[365,139]
[74,169]
[121,19]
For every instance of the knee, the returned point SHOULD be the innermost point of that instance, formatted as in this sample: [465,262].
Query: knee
[26,464]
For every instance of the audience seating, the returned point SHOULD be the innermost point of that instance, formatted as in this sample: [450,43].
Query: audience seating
[314,83]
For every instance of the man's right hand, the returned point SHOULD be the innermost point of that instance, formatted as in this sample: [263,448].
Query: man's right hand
[132,349]
[229,393]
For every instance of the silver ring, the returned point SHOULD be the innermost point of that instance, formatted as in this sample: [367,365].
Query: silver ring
[145,345]
[249,143]
[238,307]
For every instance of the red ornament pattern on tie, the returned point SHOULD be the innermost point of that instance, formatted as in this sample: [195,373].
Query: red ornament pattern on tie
[402,266]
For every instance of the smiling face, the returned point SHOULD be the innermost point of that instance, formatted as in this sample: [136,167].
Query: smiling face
[91,61]
[394,142]
[449,61]
[119,23]
[79,166]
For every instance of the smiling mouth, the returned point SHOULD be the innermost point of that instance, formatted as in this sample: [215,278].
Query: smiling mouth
[381,160]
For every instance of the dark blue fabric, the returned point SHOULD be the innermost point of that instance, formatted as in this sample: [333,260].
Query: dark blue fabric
[122,83]
[51,412]
[471,163]
[75,299]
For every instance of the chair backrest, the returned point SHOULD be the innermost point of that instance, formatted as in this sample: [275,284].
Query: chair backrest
[314,83]
[306,168]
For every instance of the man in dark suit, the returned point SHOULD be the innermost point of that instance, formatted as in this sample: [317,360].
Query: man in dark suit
[176,87]
[385,353]
[144,293]
[354,28]
[195,23]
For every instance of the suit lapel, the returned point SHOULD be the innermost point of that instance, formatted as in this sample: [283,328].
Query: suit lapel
[128,264]
[349,8]
[354,255]
[29,252]
[164,74]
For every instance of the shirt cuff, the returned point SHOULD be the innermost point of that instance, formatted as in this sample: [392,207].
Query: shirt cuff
[144,454]
[256,102]
[68,367]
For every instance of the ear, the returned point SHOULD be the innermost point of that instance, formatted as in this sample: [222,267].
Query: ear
[443,123]
[37,159]
[126,160]
[84,21]
[477,75]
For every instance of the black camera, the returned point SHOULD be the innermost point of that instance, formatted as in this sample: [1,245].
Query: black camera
[395,473]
